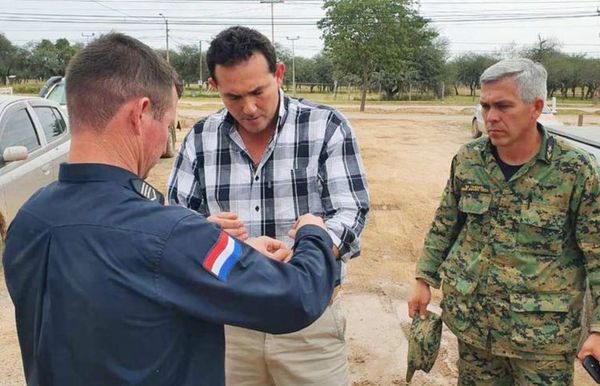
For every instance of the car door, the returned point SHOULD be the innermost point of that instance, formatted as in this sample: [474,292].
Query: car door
[20,179]
[56,133]
[57,94]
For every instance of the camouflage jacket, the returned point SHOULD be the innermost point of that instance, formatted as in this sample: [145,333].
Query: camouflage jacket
[514,255]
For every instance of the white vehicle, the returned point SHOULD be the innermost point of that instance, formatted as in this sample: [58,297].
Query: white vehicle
[54,90]
[34,141]
[586,138]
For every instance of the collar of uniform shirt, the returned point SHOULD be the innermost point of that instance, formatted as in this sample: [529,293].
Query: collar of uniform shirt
[546,147]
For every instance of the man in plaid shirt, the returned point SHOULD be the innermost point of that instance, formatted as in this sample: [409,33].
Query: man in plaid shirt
[253,168]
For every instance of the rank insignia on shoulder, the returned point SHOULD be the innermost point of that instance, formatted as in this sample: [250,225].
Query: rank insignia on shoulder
[549,147]
[146,190]
[222,257]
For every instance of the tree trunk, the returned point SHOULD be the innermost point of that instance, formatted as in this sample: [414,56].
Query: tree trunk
[365,86]
[592,93]
[335,86]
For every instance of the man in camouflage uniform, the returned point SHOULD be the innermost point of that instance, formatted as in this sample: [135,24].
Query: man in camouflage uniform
[513,240]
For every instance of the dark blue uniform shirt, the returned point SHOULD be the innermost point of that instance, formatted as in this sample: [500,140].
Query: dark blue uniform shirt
[111,288]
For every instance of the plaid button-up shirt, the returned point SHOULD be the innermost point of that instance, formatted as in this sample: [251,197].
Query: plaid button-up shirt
[311,165]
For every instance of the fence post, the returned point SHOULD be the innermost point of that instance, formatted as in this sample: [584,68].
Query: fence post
[335,86]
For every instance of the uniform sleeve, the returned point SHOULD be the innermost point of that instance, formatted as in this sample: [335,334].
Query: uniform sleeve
[447,223]
[588,237]
[185,186]
[345,197]
[214,277]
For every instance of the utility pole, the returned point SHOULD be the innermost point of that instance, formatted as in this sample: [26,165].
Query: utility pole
[166,33]
[200,61]
[272,23]
[293,62]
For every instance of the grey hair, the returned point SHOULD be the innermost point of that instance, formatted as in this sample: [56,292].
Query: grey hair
[530,77]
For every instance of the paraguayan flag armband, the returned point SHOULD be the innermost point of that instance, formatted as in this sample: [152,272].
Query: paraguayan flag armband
[223,256]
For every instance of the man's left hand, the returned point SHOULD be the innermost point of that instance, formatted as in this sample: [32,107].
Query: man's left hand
[273,249]
[292,232]
[591,346]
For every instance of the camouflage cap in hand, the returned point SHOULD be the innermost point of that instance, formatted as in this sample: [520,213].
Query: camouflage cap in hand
[423,343]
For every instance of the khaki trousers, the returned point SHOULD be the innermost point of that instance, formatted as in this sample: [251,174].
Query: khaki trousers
[315,355]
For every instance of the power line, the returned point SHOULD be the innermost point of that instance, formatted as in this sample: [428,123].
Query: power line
[180,1]
[285,20]
[507,2]
[445,15]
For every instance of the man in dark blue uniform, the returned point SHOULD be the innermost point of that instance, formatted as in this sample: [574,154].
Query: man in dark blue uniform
[112,288]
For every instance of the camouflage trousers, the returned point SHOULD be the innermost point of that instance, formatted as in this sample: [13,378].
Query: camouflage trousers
[478,367]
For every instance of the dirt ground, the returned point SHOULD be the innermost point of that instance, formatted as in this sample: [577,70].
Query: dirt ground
[407,152]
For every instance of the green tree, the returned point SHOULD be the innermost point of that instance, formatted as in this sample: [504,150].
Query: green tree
[64,52]
[469,68]
[430,66]
[451,77]
[186,61]
[324,71]
[8,53]
[366,36]
[591,76]
[47,59]
[542,50]
[305,71]
[284,55]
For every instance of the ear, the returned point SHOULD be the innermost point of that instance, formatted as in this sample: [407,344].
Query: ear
[212,84]
[139,113]
[538,106]
[279,73]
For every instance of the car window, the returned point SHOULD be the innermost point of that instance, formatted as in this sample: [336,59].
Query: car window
[52,122]
[58,94]
[17,129]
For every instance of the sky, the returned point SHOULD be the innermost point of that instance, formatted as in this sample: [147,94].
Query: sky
[481,26]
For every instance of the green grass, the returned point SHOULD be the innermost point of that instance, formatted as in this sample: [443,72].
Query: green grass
[28,88]
[565,106]
[342,97]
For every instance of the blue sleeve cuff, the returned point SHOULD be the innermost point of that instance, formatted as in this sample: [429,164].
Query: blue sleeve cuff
[314,230]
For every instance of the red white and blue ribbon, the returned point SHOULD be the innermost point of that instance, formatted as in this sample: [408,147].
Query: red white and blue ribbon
[223,256]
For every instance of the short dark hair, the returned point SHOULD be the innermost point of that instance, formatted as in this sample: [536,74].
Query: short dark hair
[236,45]
[111,71]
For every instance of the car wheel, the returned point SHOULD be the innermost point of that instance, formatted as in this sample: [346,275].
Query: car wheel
[475,132]
[170,150]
